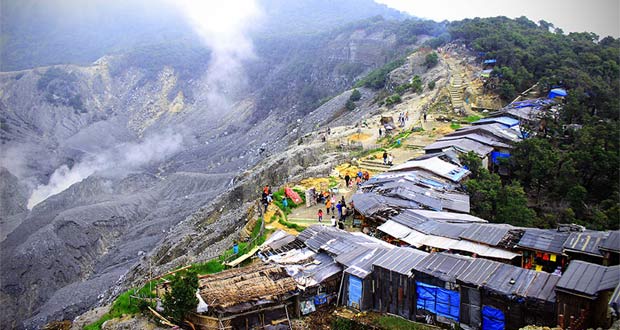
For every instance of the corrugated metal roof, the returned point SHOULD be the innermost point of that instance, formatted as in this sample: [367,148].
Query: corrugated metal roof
[510,280]
[610,278]
[400,260]
[478,272]
[612,243]
[462,144]
[504,120]
[394,229]
[423,198]
[586,278]
[455,202]
[410,219]
[420,192]
[491,234]
[434,165]
[448,216]
[525,113]
[443,266]
[444,229]
[371,203]
[507,135]
[332,240]
[312,273]
[415,238]
[586,242]
[360,265]
[418,239]
[550,241]
[484,139]
[543,287]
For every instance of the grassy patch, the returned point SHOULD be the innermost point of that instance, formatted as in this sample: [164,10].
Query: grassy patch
[472,118]
[291,225]
[364,153]
[455,126]
[376,79]
[209,267]
[333,182]
[393,141]
[121,306]
[397,323]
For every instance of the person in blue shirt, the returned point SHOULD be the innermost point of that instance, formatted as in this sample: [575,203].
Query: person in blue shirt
[339,207]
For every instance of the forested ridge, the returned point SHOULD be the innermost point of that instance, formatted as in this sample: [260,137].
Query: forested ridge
[570,172]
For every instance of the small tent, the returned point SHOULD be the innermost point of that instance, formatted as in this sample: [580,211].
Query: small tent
[557,92]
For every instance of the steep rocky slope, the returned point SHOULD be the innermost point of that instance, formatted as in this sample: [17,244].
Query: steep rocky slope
[135,160]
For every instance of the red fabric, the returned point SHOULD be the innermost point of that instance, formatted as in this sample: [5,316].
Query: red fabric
[292,195]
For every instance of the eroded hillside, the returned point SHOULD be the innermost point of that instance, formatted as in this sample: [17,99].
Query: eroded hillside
[127,159]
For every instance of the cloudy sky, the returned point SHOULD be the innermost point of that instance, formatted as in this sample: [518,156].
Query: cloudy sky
[599,16]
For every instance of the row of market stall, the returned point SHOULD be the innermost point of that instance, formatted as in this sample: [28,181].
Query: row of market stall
[325,265]
[423,257]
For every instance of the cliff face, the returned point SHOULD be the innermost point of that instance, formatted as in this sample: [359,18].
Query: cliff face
[119,160]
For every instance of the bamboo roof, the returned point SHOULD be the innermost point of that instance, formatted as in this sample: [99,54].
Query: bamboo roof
[256,284]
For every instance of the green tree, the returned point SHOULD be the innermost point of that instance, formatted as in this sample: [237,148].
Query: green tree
[472,162]
[484,193]
[431,85]
[181,298]
[355,95]
[512,206]
[431,60]
[350,105]
[535,163]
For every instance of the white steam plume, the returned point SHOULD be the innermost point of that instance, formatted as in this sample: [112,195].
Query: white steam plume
[122,158]
[223,26]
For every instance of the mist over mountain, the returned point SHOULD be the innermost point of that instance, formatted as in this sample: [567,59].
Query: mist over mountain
[38,33]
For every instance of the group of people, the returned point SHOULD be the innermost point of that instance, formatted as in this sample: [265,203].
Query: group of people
[336,206]
[267,197]
[359,178]
[402,118]
[388,159]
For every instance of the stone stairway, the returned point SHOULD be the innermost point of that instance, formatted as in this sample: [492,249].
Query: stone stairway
[456,91]
[373,165]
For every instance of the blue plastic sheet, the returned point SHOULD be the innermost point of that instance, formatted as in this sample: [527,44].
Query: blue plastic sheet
[427,297]
[496,156]
[438,300]
[492,318]
[355,291]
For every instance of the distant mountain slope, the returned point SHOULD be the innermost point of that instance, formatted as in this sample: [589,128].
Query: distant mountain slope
[38,33]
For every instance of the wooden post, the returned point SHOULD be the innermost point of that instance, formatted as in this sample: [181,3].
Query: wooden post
[290,326]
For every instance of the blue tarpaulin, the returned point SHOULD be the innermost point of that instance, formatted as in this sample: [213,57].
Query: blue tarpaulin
[427,296]
[355,291]
[438,300]
[492,318]
[496,155]
[491,61]
[557,92]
